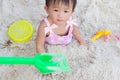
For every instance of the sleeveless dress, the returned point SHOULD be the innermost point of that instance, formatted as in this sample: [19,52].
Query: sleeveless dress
[57,39]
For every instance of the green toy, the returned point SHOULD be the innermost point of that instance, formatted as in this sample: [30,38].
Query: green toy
[45,62]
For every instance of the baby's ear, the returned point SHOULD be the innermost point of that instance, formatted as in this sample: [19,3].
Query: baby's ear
[46,9]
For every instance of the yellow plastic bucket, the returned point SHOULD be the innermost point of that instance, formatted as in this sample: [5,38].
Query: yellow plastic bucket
[20,31]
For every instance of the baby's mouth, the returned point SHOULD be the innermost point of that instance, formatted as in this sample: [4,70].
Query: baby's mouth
[60,20]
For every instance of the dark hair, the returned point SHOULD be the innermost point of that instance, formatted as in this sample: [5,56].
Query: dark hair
[66,2]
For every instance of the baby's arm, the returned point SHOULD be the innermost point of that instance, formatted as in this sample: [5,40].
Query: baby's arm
[78,36]
[40,38]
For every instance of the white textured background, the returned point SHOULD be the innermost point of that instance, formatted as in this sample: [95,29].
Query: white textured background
[101,61]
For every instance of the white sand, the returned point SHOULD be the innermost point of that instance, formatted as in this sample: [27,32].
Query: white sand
[100,62]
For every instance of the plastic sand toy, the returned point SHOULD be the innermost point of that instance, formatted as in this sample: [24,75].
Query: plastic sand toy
[106,34]
[101,33]
[45,62]
[20,31]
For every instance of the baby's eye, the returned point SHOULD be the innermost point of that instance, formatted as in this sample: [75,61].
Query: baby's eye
[66,11]
[56,10]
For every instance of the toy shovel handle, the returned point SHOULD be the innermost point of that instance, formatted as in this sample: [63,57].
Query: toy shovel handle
[16,60]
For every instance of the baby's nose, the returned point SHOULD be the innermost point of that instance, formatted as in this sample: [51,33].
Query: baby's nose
[60,14]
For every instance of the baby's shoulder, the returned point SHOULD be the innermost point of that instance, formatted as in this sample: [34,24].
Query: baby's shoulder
[75,27]
[42,23]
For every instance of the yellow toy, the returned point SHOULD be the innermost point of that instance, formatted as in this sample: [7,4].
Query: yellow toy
[101,33]
[20,31]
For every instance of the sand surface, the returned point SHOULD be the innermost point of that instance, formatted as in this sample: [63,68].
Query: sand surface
[100,61]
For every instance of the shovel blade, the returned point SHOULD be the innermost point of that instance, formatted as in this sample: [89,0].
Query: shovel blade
[49,62]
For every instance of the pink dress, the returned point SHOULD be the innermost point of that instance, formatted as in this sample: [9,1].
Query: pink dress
[57,39]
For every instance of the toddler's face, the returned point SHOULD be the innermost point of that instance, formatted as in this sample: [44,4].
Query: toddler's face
[59,13]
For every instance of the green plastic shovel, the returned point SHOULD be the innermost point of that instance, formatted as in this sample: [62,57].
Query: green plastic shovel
[45,62]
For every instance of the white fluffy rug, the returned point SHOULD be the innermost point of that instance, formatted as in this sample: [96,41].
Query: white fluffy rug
[100,61]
